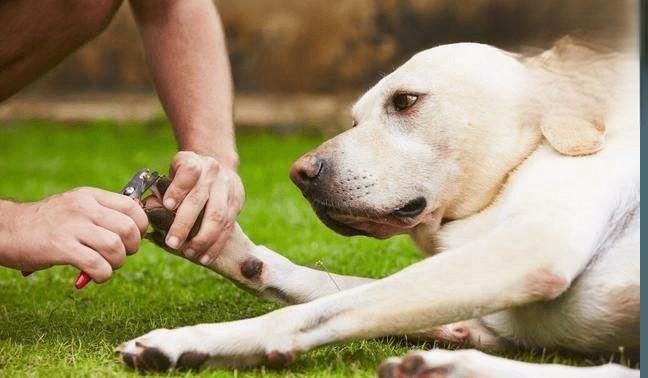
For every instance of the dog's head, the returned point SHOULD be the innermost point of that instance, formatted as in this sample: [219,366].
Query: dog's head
[433,140]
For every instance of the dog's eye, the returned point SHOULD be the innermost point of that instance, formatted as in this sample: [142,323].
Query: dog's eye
[403,101]
[354,123]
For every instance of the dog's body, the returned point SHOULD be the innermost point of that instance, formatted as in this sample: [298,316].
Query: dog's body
[473,152]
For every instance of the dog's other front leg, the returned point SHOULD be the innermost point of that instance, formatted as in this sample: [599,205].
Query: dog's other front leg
[459,284]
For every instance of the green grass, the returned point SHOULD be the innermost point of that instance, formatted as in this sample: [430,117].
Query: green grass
[48,329]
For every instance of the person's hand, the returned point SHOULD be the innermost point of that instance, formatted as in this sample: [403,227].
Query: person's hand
[89,228]
[201,182]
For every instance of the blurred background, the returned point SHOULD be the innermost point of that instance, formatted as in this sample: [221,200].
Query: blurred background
[300,64]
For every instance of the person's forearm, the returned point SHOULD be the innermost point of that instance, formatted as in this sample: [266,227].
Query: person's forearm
[9,256]
[186,52]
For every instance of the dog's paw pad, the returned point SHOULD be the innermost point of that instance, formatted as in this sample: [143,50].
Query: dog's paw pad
[147,352]
[129,360]
[277,360]
[154,359]
[414,365]
[191,360]
[149,359]
[390,368]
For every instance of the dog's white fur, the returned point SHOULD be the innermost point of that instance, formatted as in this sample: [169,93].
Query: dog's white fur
[540,246]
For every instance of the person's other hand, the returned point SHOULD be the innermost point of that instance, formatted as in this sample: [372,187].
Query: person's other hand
[89,228]
[202,182]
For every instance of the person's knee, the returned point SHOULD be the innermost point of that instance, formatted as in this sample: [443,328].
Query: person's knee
[91,17]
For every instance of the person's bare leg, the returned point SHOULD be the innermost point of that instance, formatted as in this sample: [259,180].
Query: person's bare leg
[35,35]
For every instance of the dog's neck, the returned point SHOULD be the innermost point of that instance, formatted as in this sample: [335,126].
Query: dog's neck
[479,184]
[481,187]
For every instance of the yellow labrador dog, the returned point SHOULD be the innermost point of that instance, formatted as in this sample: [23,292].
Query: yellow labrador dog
[519,175]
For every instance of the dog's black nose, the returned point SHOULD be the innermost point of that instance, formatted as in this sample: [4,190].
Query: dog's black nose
[412,208]
[306,170]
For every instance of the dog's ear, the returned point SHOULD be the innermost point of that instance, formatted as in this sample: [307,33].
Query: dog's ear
[568,98]
[571,134]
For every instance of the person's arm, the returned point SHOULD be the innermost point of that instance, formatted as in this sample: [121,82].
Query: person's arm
[186,52]
[89,228]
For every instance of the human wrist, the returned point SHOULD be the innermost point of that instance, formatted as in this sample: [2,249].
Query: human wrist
[10,231]
[229,159]
[214,138]
[9,211]
[226,156]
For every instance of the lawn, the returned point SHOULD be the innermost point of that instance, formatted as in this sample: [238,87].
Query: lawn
[49,329]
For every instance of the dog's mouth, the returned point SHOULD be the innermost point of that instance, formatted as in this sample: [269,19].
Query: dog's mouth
[369,222]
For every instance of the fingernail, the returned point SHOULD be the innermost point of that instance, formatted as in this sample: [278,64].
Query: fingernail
[169,203]
[173,242]
[205,259]
[190,253]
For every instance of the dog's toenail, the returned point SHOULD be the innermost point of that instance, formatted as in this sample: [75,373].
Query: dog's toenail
[251,268]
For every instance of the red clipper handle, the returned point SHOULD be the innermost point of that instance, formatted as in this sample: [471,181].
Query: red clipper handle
[140,182]
[82,280]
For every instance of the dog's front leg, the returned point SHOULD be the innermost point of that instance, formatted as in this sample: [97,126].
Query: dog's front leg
[271,275]
[255,267]
[512,266]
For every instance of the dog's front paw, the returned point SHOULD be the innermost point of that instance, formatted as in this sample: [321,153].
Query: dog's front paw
[160,350]
[198,347]
[435,363]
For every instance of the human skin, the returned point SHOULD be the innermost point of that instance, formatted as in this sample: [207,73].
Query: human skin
[89,228]
[187,57]
[186,51]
